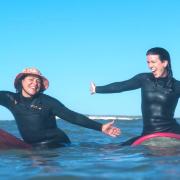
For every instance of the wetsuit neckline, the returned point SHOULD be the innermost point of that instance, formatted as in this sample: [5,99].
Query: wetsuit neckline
[161,81]
[28,100]
[162,78]
[159,78]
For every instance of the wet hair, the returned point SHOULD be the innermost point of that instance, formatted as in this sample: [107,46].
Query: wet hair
[19,84]
[163,56]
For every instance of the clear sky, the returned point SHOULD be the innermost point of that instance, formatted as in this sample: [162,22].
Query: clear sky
[74,42]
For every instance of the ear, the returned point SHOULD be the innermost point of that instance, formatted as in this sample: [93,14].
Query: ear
[165,63]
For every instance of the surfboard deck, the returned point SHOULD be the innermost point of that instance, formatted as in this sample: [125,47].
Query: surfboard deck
[9,141]
[159,139]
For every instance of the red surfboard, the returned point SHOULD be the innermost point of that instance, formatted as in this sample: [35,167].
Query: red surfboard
[159,139]
[8,141]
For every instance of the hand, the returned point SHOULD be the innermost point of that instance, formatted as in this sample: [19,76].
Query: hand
[92,88]
[110,130]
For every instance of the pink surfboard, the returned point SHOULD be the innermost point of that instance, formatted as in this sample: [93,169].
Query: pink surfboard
[8,141]
[159,139]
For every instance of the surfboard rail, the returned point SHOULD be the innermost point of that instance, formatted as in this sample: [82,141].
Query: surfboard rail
[145,138]
[9,141]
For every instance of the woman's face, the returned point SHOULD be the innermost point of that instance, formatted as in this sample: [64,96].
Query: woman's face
[157,66]
[31,85]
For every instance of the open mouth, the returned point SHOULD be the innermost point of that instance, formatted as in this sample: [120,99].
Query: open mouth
[153,70]
[33,88]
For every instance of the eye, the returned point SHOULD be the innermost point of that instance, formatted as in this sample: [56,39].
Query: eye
[38,80]
[153,62]
[30,79]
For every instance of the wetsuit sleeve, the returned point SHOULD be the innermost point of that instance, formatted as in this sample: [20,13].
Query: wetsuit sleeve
[131,84]
[177,87]
[73,117]
[6,98]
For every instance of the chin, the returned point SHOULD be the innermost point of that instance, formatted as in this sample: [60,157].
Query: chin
[156,76]
[33,93]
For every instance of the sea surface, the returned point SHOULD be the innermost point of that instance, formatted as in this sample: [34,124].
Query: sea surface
[91,156]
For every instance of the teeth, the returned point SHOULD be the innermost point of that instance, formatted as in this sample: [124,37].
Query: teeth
[33,87]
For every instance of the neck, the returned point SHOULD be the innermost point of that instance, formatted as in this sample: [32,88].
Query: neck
[165,74]
[26,95]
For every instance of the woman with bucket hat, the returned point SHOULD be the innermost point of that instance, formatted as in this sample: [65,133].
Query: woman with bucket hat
[35,112]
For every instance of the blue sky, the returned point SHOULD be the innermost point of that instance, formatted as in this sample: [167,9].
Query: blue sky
[74,42]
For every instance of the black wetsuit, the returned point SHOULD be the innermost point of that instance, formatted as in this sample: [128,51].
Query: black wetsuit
[35,118]
[158,101]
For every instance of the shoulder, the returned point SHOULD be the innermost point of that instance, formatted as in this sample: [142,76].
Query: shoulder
[143,76]
[47,99]
[176,83]
[8,94]
[176,86]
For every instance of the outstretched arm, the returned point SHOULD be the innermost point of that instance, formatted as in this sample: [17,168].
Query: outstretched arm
[116,87]
[79,119]
[82,120]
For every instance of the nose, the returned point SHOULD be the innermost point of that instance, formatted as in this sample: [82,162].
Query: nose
[36,81]
[150,65]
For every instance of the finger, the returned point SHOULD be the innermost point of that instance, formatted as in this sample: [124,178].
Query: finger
[113,135]
[92,84]
[111,123]
[116,131]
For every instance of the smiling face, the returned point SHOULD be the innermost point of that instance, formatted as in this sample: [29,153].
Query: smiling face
[31,85]
[157,66]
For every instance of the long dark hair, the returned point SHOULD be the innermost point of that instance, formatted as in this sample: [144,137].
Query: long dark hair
[163,56]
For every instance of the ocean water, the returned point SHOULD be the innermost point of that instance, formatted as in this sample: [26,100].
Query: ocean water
[92,155]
